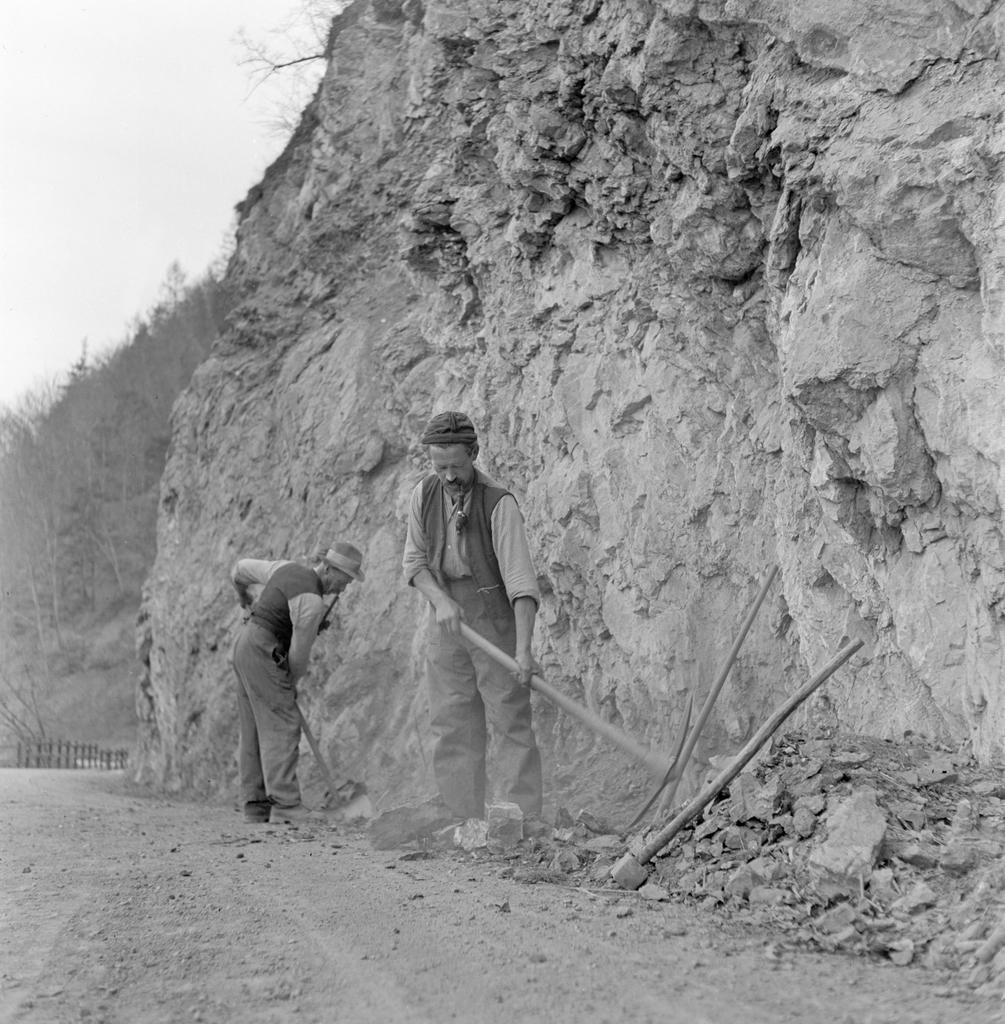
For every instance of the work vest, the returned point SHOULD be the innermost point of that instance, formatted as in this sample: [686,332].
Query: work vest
[272,609]
[481,554]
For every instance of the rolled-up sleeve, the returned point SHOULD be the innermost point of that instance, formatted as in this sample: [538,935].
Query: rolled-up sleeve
[306,612]
[250,572]
[413,560]
[509,539]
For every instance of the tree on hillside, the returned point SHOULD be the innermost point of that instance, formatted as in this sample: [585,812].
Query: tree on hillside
[22,711]
[296,50]
[31,502]
[80,465]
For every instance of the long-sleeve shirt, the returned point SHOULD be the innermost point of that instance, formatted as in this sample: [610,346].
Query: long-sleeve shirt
[509,541]
[306,610]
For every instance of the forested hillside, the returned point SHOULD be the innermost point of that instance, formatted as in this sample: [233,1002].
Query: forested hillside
[80,463]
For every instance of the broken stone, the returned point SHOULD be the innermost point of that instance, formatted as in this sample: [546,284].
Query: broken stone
[919,855]
[751,875]
[604,844]
[566,860]
[883,924]
[750,799]
[652,891]
[401,825]
[537,828]
[958,858]
[847,937]
[837,919]
[992,807]
[715,882]
[742,881]
[441,838]
[935,771]
[901,952]
[563,819]
[816,784]
[471,835]
[593,823]
[851,758]
[712,850]
[882,886]
[965,819]
[706,829]
[910,815]
[989,788]
[920,897]
[804,822]
[818,749]
[813,802]
[768,869]
[737,838]
[768,896]
[855,831]
[505,826]
[798,778]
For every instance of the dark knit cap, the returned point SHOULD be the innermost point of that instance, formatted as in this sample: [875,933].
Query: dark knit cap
[449,428]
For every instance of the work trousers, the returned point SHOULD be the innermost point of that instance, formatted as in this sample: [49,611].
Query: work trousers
[269,745]
[469,695]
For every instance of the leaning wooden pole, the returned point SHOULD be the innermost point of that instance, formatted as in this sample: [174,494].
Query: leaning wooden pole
[630,872]
[713,694]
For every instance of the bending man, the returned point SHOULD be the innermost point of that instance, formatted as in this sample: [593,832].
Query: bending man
[271,654]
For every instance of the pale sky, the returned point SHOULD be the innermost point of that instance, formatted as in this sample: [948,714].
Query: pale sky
[129,130]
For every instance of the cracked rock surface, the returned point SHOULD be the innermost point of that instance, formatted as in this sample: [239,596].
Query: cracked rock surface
[720,283]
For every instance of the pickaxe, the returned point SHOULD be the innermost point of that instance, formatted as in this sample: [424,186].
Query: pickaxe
[643,755]
[350,796]
[306,729]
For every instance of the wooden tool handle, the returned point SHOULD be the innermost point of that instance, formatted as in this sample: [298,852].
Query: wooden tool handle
[726,776]
[316,750]
[633,748]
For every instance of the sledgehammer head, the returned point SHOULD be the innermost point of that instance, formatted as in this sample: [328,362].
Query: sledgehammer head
[629,873]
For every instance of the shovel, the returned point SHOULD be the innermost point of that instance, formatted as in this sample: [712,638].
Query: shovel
[353,801]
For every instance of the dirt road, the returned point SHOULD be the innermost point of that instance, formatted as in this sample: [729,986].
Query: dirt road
[120,907]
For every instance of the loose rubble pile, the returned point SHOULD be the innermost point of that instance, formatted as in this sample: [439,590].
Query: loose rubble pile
[858,845]
[846,844]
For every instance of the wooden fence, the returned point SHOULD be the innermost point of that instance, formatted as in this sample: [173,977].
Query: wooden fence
[64,754]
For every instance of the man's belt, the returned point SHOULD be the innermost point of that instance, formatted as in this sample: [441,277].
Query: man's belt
[281,649]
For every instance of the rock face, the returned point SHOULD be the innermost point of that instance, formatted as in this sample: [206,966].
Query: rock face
[721,284]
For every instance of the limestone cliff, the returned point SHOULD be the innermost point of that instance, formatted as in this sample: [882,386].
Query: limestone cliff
[720,282]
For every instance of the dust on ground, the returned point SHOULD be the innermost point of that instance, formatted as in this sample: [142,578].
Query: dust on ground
[122,906]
